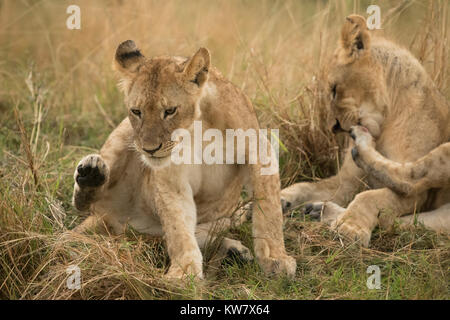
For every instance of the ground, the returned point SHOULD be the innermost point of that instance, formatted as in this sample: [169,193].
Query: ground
[59,102]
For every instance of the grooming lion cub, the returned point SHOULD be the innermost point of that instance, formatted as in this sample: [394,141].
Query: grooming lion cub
[133,181]
[407,179]
[381,86]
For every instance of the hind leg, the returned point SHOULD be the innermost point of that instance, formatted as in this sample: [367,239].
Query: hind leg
[437,220]
[207,234]
[361,216]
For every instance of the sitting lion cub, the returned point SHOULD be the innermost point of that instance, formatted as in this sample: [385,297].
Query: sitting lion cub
[409,178]
[133,180]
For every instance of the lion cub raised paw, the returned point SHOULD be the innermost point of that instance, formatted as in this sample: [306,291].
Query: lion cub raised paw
[90,175]
[91,172]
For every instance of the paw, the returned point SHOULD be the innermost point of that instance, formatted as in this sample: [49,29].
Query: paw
[285,205]
[185,271]
[362,137]
[272,257]
[363,143]
[91,172]
[282,264]
[289,202]
[352,231]
[326,212]
[236,250]
[314,210]
[186,265]
[296,195]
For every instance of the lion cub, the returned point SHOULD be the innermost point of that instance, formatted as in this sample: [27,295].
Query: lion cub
[383,87]
[409,178]
[133,180]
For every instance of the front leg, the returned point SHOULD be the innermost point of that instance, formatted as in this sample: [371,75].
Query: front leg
[175,206]
[94,171]
[267,223]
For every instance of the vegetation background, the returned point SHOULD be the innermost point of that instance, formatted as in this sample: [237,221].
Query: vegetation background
[59,102]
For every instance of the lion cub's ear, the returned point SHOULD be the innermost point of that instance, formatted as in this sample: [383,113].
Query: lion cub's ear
[355,38]
[127,61]
[197,68]
[128,57]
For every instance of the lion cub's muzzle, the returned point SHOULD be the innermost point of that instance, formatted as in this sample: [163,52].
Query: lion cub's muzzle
[162,151]
[153,151]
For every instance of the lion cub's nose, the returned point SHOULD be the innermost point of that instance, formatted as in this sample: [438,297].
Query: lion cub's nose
[152,151]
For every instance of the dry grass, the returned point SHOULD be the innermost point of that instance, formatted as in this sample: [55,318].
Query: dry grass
[56,85]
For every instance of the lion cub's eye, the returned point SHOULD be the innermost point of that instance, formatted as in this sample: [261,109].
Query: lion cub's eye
[136,112]
[169,112]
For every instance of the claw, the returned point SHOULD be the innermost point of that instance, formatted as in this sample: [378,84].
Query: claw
[314,210]
[352,133]
[242,256]
[308,208]
[285,205]
[355,153]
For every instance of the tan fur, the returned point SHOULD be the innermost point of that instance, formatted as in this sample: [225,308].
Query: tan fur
[409,178]
[184,203]
[381,86]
